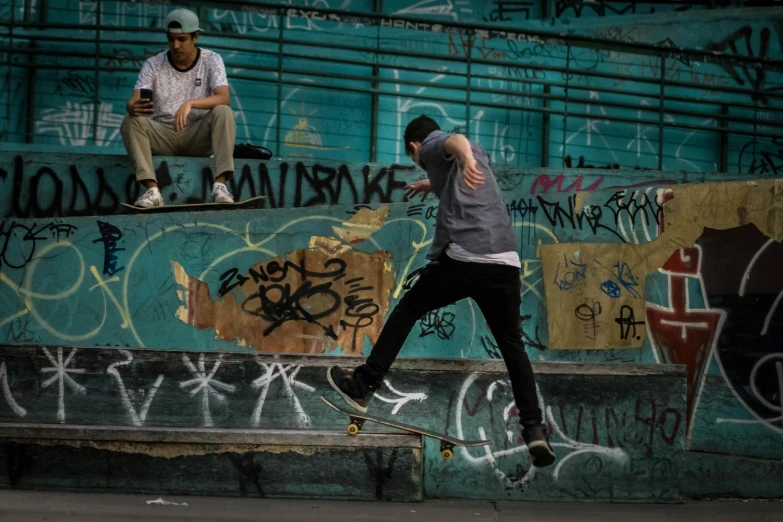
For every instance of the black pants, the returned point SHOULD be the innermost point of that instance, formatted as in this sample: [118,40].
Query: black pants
[495,289]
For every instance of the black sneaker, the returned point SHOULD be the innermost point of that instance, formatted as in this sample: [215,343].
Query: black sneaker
[537,440]
[350,388]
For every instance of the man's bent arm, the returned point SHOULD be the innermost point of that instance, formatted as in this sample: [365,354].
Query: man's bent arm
[458,145]
[220,96]
[135,96]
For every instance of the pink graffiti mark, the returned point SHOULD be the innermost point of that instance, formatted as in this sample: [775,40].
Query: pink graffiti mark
[472,411]
[656,421]
[544,183]
[611,428]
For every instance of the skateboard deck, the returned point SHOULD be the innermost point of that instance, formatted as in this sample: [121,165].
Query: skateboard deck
[447,443]
[195,206]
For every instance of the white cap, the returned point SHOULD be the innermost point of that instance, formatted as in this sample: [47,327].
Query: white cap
[187,19]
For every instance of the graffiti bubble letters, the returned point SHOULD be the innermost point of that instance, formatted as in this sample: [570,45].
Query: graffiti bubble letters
[569,274]
[109,237]
[628,323]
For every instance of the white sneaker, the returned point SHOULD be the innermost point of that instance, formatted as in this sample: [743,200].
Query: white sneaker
[220,194]
[151,198]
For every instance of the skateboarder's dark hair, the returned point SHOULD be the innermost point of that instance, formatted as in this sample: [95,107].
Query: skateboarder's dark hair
[417,130]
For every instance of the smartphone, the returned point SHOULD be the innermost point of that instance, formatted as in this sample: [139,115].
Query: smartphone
[146,93]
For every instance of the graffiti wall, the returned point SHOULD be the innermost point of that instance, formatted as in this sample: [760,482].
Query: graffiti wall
[605,104]
[628,272]
[621,262]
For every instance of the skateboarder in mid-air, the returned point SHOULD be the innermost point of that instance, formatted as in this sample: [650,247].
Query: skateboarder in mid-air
[473,255]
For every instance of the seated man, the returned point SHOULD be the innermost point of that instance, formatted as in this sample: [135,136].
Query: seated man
[189,113]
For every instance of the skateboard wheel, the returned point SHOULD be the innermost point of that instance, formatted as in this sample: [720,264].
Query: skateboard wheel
[447,454]
[353,429]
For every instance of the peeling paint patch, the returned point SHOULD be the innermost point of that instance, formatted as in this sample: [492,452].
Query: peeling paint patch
[328,245]
[595,291]
[313,301]
[362,224]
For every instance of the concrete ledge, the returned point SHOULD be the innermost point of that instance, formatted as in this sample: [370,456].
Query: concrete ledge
[709,475]
[320,438]
[618,429]
[402,364]
[308,472]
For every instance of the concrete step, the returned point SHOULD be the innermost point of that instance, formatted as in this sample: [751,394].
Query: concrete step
[308,464]
[322,438]
[618,429]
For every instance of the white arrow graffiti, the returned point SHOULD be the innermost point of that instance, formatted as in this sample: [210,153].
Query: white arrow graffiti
[404,398]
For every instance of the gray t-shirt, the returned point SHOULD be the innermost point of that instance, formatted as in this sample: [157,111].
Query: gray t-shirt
[172,87]
[476,220]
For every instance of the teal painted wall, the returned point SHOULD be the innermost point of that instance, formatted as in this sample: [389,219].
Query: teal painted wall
[50,238]
[107,280]
[326,117]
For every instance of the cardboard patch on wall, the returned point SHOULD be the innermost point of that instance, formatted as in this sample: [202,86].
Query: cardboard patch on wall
[594,295]
[316,299]
[595,291]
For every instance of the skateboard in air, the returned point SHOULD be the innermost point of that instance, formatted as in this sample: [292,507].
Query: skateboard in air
[447,443]
[248,203]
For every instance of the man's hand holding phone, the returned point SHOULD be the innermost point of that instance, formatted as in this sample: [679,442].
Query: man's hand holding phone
[142,106]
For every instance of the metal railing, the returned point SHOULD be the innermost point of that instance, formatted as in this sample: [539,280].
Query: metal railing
[562,87]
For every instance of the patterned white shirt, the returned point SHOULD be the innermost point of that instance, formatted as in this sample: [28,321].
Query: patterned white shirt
[172,87]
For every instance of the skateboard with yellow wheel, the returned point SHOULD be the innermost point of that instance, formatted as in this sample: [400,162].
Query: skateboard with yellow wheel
[447,444]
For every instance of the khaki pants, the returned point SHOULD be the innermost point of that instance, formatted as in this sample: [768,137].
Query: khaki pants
[214,133]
